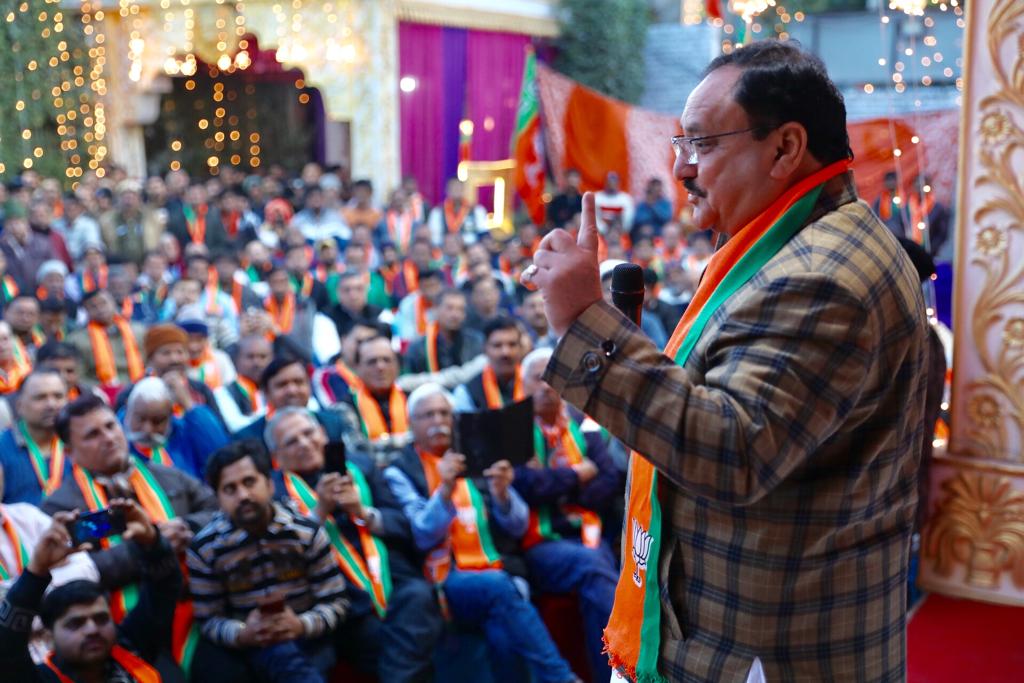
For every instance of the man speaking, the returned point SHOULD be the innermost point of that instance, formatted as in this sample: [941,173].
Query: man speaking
[772,487]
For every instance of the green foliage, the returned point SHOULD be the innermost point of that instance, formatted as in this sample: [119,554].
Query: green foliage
[601,45]
[34,62]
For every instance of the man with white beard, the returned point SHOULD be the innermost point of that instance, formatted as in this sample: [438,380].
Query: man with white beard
[156,434]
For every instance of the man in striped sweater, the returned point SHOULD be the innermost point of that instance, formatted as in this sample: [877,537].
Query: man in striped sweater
[266,590]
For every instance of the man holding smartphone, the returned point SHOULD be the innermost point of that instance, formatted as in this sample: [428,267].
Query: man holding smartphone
[87,645]
[393,611]
[266,591]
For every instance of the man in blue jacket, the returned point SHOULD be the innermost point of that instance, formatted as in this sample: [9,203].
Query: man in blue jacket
[156,433]
[568,484]
[31,454]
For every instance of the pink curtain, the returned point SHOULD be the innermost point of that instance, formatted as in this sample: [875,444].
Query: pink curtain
[494,75]
[460,74]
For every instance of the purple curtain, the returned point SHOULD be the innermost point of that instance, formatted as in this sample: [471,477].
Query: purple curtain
[460,74]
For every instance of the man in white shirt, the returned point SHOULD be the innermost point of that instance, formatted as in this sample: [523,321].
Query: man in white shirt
[613,205]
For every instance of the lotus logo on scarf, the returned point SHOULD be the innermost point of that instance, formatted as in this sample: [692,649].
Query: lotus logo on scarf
[641,551]
[467,518]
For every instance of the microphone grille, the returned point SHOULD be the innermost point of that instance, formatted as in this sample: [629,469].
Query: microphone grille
[627,277]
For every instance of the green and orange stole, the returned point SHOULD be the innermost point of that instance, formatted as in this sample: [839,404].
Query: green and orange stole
[139,669]
[632,638]
[157,454]
[567,448]
[430,340]
[469,537]
[49,470]
[373,574]
[19,550]
[371,417]
[153,499]
[492,391]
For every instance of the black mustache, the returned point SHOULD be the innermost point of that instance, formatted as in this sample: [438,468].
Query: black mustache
[691,186]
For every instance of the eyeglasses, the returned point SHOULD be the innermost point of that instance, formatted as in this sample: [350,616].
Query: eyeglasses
[691,147]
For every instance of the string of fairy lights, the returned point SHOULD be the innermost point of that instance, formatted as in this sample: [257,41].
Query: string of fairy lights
[744,21]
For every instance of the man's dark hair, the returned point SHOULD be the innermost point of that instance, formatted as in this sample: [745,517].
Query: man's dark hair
[449,292]
[780,83]
[38,372]
[347,275]
[52,305]
[499,324]
[369,340]
[363,183]
[225,255]
[57,602]
[56,350]
[92,294]
[431,274]
[23,297]
[81,406]
[197,257]
[278,364]
[232,453]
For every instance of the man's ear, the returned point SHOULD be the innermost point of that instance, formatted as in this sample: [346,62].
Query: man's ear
[790,150]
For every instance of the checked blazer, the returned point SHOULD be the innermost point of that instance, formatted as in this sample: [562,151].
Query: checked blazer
[787,449]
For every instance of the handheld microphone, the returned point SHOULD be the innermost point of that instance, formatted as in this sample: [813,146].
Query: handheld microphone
[628,290]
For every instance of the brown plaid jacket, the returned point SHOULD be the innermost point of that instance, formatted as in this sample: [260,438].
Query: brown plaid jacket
[788,449]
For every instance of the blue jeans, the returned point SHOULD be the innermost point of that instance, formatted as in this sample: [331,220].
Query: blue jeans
[294,661]
[570,567]
[488,599]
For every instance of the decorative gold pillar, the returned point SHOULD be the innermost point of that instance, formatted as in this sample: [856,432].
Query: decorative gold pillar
[973,545]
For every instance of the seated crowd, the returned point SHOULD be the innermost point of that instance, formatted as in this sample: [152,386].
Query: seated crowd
[261,378]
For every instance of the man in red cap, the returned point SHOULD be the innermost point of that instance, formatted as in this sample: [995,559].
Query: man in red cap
[166,350]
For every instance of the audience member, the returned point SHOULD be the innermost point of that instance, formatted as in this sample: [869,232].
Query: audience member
[500,382]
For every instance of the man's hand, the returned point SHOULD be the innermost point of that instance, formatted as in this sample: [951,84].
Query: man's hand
[565,270]
[349,499]
[138,528]
[451,466]
[177,533]
[177,382]
[55,544]
[585,471]
[285,626]
[499,477]
[328,493]
[257,631]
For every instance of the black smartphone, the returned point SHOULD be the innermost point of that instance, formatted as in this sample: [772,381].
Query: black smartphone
[334,458]
[97,525]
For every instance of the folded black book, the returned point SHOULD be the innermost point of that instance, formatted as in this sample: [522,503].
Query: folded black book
[488,436]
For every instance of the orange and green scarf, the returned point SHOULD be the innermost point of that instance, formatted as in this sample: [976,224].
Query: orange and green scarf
[153,499]
[632,638]
[139,669]
[372,575]
[49,475]
[18,548]
[492,390]
[371,417]
[567,447]
[469,536]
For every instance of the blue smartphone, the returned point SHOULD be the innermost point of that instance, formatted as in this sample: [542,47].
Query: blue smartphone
[96,526]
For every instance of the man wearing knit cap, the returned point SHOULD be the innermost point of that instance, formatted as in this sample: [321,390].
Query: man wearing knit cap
[166,350]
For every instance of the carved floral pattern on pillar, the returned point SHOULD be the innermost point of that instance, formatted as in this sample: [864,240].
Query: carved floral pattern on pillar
[994,411]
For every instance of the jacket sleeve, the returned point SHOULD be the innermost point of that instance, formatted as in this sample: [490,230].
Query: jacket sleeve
[148,626]
[202,503]
[17,609]
[545,486]
[608,483]
[205,434]
[784,370]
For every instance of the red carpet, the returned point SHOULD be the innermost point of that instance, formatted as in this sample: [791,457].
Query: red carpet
[962,640]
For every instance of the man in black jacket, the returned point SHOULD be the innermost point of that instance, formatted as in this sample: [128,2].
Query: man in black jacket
[448,341]
[87,646]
